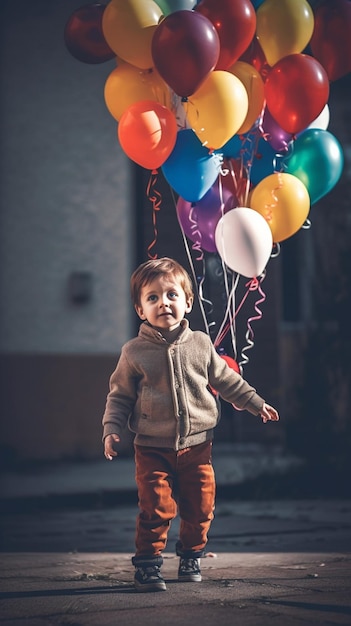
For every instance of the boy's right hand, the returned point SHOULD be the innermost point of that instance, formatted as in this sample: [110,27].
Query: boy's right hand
[109,450]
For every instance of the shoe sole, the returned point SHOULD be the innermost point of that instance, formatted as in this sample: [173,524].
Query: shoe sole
[146,588]
[190,578]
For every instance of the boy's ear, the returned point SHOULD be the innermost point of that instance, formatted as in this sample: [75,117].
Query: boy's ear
[140,312]
[189,304]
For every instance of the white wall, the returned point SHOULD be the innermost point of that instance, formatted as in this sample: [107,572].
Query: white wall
[65,192]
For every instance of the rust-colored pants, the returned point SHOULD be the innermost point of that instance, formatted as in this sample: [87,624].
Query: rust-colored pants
[171,482]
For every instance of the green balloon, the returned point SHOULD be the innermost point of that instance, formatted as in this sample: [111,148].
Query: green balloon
[316,158]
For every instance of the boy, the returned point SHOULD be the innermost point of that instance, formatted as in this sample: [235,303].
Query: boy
[162,388]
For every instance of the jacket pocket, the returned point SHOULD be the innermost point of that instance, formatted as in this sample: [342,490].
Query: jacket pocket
[146,403]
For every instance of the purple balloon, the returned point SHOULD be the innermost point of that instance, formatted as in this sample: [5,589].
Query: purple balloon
[275,135]
[199,219]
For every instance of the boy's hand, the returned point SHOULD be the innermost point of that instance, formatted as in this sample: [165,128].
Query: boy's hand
[109,451]
[268,413]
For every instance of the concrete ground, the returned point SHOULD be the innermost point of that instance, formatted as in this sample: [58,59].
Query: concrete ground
[66,562]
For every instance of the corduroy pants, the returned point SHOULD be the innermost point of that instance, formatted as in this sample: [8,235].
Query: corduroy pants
[169,483]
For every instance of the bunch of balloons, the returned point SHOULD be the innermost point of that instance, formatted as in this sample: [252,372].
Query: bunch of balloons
[230,99]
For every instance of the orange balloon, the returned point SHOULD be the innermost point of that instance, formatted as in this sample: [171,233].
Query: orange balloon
[283,200]
[254,85]
[128,84]
[147,132]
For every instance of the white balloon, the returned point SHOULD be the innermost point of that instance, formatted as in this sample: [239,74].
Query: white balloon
[322,121]
[244,241]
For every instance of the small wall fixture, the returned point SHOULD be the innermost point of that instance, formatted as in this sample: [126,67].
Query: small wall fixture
[80,287]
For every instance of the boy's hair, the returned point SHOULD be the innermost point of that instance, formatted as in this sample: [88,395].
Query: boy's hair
[148,271]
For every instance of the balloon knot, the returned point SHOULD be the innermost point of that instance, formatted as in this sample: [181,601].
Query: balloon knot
[184,99]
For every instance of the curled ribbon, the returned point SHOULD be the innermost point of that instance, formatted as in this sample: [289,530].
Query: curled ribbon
[155,198]
[253,285]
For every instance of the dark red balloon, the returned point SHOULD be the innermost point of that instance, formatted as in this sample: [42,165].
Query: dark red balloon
[296,90]
[185,49]
[235,22]
[84,36]
[254,55]
[331,39]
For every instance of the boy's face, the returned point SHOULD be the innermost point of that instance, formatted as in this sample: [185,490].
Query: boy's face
[163,303]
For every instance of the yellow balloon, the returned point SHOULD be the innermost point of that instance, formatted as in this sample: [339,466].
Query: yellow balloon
[254,85]
[128,27]
[128,84]
[217,109]
[283,27]
[283,200]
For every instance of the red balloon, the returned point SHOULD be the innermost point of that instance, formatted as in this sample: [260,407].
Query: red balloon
[147,132]
[296,90]
[331,39]
[235,22]
[84,37]
[231,362]
[185,49]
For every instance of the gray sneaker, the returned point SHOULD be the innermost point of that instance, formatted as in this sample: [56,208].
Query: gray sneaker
[189,570]
[149,578]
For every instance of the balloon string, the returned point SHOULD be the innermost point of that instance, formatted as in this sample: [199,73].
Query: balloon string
[179,110]
[253,285]
[155,198]
[199,286]
[196,234]
[251,150]
[197,247]
[230,324]
[275,250]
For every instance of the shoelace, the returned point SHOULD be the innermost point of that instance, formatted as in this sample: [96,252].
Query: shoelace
[189,565]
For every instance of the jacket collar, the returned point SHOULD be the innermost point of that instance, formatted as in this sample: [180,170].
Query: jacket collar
[146,331]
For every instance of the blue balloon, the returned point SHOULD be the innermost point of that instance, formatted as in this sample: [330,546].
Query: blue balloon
[190,169]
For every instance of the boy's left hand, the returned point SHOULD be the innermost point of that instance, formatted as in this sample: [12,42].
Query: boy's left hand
[268,413]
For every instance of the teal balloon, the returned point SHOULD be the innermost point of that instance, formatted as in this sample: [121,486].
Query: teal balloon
[233,147]
[170,6]
[190,168]
[316,158]
[264,162]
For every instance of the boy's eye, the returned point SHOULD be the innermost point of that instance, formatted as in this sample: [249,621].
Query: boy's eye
[152,298]
[172,294]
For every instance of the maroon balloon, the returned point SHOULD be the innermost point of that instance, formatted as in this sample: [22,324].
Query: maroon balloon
[235,22]
[254,55]
[185,49]
[296,90]
[331,39]
[84,36]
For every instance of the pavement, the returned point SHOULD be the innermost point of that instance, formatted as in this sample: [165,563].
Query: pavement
[67,535]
